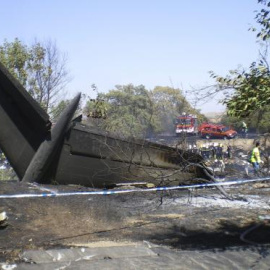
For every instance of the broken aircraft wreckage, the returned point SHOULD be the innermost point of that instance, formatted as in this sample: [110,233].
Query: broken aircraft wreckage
[73,153]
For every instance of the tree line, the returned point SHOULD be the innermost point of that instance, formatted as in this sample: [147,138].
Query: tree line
[135,111]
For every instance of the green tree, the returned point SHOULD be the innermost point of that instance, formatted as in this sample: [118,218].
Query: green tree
[252,86]
[15,56]
[129,110]
[40,68]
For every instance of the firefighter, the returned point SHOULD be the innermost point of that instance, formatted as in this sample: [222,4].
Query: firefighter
[215,145]
[207,151]
[255,158]
[219,151]
[229,152]
[213,151]
[203,151]
[244,129]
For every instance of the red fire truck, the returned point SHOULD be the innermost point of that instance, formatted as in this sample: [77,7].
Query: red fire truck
[186,124]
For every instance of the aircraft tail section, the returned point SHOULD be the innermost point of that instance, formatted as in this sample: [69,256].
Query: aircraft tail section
[23,123]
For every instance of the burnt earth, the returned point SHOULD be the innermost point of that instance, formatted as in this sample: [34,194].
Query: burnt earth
[186,220]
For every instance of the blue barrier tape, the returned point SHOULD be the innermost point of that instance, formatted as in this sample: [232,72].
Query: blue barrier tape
[109,192]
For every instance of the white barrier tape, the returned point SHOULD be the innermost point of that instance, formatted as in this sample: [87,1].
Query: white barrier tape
[109,192]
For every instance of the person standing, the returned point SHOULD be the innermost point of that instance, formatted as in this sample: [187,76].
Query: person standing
[215,146]
[255,158]
[229,152]
[203,151]
[219,151]
[244,129]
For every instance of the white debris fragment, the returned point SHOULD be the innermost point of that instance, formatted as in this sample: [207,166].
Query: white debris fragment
[3,216]
[252,202]
[8,266]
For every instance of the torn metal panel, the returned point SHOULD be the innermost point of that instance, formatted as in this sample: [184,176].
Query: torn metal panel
[24,124]
[98,159]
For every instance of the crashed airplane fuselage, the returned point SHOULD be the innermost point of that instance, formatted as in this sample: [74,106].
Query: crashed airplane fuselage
[73,153]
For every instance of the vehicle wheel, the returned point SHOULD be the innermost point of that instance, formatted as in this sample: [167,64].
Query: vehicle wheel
[207,136]
[225,137]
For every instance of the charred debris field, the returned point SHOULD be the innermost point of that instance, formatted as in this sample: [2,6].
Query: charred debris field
[189,220]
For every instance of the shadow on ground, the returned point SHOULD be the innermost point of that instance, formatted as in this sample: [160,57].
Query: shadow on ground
[226,236]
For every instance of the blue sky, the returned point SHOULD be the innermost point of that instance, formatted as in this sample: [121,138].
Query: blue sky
[168,43]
